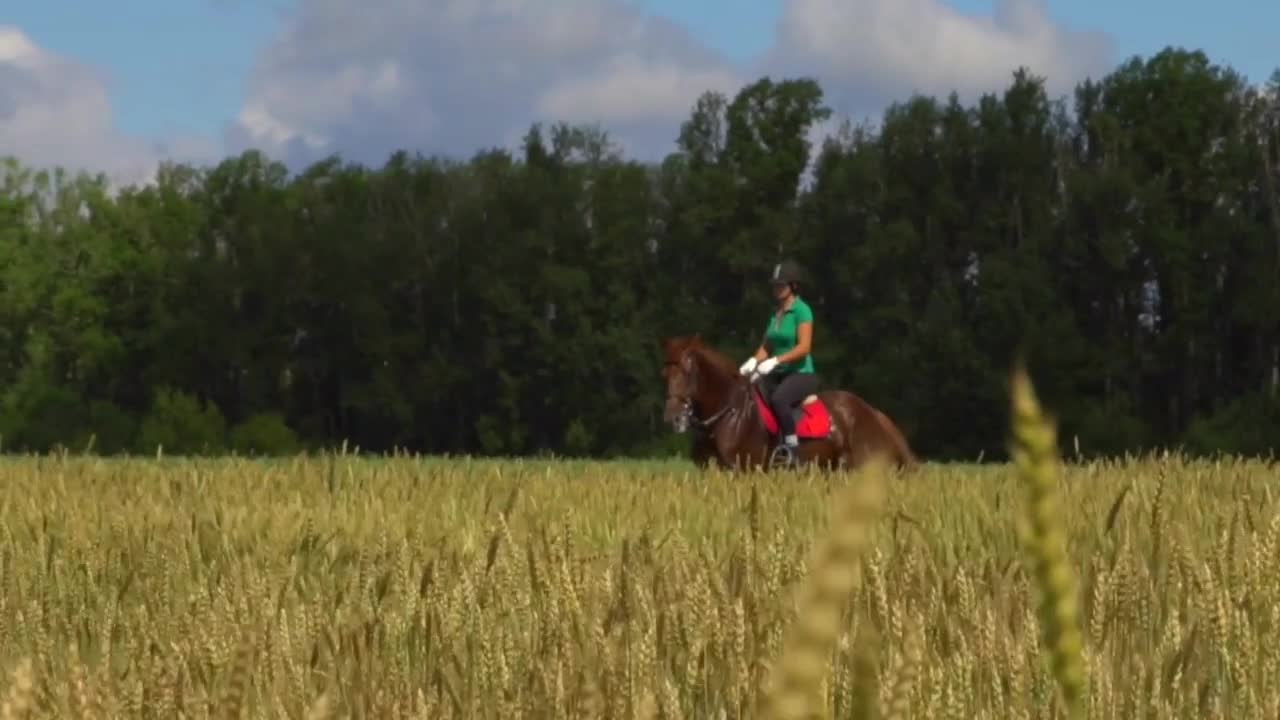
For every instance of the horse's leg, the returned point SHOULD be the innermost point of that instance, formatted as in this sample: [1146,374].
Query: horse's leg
[845,419]
[729,452]
[743,455]
[836,450]
[747,456]
[702,450]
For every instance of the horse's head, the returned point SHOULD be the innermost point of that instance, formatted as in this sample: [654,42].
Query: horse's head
[680,370]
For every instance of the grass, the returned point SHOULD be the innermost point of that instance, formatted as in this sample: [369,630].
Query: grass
[397,588]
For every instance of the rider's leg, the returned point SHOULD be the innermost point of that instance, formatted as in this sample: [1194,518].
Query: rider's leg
[790,392]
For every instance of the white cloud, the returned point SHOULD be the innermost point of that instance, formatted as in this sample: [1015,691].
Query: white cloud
[868,53]
[458,75]
[55,112]
[630,89]
[454,76]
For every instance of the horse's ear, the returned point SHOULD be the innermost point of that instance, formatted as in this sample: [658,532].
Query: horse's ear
[697,338]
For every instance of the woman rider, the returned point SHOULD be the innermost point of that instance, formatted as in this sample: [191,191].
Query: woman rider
[784,358]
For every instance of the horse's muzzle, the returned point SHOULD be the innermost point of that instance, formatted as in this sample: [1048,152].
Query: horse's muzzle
[676,414]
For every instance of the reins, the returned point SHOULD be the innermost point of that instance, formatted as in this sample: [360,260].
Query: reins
[728,409]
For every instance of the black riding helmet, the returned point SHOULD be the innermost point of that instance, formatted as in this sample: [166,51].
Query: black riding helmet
[786,272]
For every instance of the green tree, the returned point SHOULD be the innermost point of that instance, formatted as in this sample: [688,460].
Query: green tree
[511,303]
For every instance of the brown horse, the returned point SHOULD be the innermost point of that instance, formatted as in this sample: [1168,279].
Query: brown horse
[736,429]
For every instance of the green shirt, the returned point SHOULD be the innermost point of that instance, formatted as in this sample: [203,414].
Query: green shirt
[782,334]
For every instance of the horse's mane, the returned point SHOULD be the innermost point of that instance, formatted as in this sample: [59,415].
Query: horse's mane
[695,344]
[716,358]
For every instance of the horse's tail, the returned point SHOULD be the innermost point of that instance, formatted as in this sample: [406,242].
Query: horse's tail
[906,457]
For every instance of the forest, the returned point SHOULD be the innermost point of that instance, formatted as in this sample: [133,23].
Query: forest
[1124,240]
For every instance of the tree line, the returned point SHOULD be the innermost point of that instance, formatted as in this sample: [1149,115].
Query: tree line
[1125,241]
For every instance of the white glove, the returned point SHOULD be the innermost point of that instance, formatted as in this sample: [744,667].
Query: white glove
[748,366]
[767,366]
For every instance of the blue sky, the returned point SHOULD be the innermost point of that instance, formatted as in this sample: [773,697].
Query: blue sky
[172,66]
[189,68]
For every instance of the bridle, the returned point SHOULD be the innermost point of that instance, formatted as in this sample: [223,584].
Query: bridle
[685,399]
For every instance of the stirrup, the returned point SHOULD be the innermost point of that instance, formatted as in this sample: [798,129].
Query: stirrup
[783,456]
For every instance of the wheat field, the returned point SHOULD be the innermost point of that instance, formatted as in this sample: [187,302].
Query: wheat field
[339,586]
